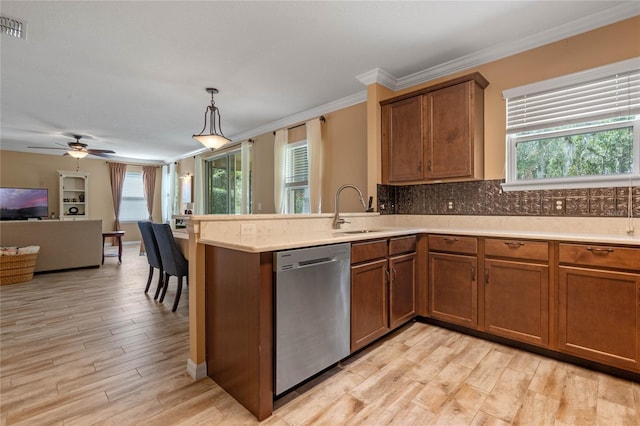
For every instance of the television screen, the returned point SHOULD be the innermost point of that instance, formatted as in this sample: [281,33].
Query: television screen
[23,203]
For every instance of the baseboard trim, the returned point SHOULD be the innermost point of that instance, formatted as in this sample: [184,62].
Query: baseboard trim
[197,371]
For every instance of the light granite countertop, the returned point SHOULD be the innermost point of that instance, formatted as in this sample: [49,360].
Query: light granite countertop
[276,233]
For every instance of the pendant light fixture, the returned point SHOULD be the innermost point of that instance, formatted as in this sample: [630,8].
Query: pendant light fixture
[214,139]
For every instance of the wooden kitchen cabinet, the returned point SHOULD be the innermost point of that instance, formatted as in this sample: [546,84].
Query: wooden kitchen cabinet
[403,150]
[436,133]
[598,298]
[369,319]
[453,289]
[383,287]
[516,290]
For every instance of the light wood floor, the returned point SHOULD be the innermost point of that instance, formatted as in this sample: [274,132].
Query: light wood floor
[89,347]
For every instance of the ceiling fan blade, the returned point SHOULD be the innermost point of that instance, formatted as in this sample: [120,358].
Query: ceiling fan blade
[99,154]
[44,147]
[100,151]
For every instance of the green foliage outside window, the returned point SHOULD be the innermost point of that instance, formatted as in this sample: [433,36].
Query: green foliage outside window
[596,153]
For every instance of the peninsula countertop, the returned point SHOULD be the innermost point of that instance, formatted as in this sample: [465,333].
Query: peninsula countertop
[255,233]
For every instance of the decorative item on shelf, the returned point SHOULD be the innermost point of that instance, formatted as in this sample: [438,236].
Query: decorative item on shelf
[189,208]
[81,197]
[73,210]
[215,138]
[75,200]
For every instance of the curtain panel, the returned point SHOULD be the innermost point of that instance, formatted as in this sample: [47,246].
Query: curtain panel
[315,153]
[149,183]
[117,172]
[279,154]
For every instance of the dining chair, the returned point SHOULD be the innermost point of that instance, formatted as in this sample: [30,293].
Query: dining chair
[153,255]
[173,260]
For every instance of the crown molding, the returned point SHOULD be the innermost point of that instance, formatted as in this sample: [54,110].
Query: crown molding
[345,102]
[613,14]
[378,75]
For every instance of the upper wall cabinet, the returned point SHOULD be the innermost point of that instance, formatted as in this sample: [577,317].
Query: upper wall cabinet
[435,134]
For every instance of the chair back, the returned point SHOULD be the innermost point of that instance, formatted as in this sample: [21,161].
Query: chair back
[150,244]
[173,260]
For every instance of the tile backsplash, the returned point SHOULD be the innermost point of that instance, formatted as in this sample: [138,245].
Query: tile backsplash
[486,198]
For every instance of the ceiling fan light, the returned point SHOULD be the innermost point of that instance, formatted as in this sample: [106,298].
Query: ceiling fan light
[77,154]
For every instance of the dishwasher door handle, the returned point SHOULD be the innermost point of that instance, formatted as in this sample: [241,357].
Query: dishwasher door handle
[314,262]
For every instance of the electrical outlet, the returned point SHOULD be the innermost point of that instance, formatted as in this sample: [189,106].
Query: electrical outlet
[247,229]
[559,205]
[450,204]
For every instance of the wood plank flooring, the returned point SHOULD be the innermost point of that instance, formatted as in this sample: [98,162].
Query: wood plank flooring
[89,347]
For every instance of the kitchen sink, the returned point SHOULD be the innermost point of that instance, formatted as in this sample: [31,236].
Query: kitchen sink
[361,231]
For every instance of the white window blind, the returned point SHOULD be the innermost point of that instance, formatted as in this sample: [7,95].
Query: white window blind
[297,165]
[612,96]
[133,205]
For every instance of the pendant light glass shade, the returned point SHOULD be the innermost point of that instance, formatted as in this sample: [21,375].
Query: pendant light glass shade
[77,154]
[215,138]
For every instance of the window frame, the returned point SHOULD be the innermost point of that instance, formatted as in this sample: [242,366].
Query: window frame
[512,183]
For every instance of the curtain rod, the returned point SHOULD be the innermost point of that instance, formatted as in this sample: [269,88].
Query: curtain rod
[136,164]
[322,119]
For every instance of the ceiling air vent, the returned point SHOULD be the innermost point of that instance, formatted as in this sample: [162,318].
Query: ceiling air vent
[12,28]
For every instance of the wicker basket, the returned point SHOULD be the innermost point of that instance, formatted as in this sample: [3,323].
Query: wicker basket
[18,268]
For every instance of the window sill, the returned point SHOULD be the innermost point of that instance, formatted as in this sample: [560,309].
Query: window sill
[569,183]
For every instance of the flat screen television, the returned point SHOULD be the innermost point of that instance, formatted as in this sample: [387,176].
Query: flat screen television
[23,203]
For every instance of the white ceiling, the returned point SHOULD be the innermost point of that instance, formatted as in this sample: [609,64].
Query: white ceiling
[131,76]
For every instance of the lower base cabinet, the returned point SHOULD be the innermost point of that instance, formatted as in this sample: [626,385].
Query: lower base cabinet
[598,303]
[598,316]
[368,303]
[453,288]
[516,301]
[383,287]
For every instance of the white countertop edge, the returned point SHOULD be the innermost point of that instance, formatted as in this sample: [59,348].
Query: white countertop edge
[266,243]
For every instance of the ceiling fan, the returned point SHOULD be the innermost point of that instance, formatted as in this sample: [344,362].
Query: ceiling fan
[78,149]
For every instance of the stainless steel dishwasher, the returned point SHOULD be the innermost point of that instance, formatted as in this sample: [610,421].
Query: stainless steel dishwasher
[313,305]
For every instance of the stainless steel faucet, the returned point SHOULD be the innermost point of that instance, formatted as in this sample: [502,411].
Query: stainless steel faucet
[337,220]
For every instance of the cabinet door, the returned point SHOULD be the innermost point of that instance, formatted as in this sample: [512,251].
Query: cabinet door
[453,288]
[516,301]
[402,146]
[598,315]
[448,132]
[369,318]
[402,289]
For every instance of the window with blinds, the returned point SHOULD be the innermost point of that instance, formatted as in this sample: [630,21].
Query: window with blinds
[133,206]
[579,130]
[296,179]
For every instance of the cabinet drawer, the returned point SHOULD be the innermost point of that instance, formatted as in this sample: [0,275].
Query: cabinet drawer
[453,243]
[402,245]
[369,250]
[605,256]
[519,249]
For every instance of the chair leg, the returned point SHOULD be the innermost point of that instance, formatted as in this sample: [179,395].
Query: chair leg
[146,289]
[165,287]
[178,292]
[160,284]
